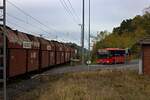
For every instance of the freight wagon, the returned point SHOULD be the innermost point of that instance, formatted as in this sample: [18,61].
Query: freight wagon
[27,53]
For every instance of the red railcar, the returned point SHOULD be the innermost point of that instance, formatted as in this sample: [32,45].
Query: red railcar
[67,50]
[33,54]
[16,54]
[111,56]
[27,53]
[44,53]
[69,53]
[52,54]
[62,53]
[58,53]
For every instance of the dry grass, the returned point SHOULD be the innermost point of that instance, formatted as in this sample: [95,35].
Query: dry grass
[99,85]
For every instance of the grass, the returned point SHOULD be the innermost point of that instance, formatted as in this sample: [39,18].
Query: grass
[98,85]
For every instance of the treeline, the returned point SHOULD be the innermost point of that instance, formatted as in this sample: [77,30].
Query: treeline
[126,35]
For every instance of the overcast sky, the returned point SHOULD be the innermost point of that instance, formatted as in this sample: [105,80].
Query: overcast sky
[105,14]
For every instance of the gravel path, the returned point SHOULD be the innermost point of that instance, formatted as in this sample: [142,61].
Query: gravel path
[65,69]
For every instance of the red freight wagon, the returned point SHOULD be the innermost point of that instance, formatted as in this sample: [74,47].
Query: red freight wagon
[33,54]
[52,54]
[58,53]
[16,54]
[26,53]
[62,51]
[44,50]
[66,53]
[69,54]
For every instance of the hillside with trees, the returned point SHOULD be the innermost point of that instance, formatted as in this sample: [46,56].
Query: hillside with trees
[126,35]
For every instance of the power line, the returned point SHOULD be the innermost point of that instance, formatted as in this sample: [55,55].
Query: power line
[30,16]
[36,20]
[16,18]
[26,28]
[11,23]
[73,10]
[65,6]
[63,3]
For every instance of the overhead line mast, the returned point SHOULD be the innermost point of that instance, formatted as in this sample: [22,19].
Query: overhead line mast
[83,25]
[3,48]
[89,28]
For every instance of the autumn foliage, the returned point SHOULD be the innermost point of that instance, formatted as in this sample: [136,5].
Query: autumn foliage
[127,35]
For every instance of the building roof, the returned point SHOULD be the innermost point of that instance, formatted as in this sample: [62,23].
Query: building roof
[145,40]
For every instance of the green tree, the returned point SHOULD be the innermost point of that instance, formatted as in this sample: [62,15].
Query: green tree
[127,35]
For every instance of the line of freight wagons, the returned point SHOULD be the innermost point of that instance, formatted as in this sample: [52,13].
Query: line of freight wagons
[27,53]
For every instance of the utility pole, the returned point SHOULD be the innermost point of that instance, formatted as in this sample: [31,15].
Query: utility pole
[83,32]
[4,59]
[3,48]
[89,28]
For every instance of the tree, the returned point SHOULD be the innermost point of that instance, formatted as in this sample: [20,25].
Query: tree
[126,35]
